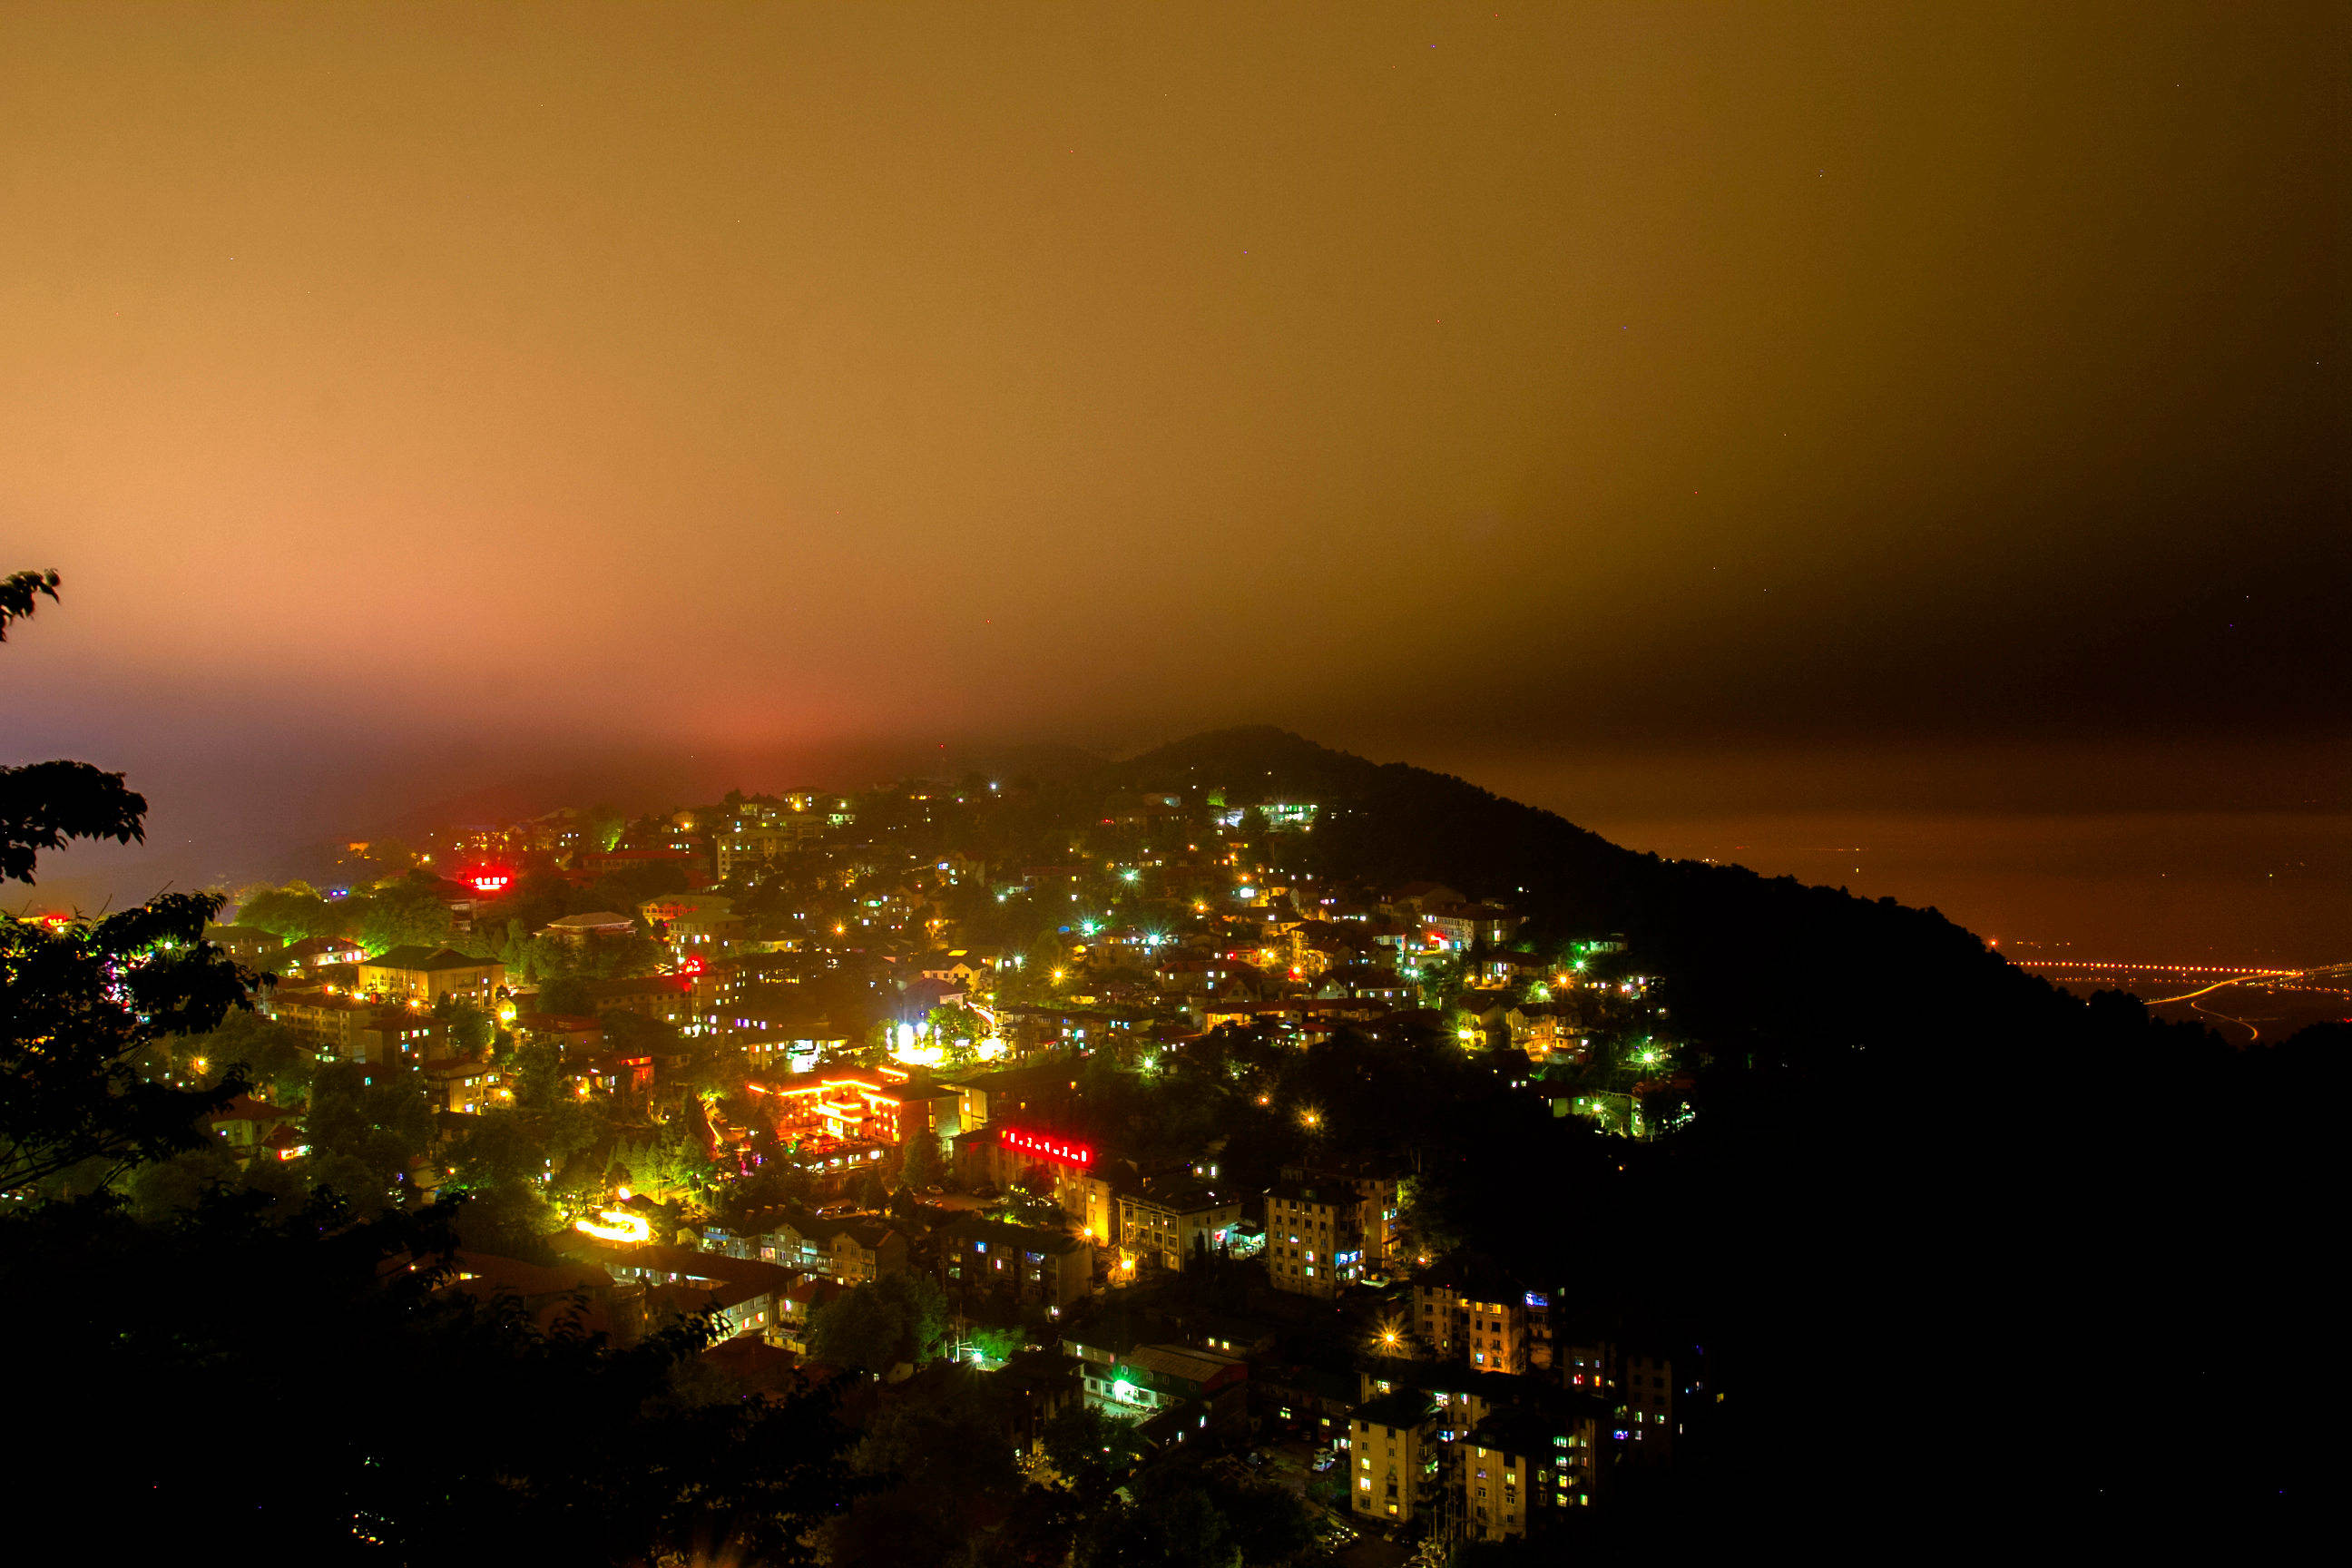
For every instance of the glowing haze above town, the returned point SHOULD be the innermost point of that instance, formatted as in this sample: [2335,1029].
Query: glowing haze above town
[1905,449]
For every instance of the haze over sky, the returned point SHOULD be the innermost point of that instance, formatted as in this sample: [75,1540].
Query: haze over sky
[1688,419]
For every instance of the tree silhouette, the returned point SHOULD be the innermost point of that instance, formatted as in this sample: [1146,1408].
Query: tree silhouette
[311,1322]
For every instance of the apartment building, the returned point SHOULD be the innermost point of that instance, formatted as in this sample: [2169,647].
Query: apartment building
[1169,1227]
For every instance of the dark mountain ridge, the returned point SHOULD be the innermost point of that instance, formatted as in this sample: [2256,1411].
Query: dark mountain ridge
[1923,1188]
[1766,965]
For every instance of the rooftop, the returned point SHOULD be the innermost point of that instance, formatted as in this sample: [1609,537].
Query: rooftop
[1028,1237]
[427,959]
[1405,1407]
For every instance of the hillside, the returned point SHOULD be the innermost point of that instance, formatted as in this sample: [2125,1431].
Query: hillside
[1754,964]
[1913,1164]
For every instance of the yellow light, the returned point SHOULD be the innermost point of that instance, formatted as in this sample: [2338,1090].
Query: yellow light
[617,1224]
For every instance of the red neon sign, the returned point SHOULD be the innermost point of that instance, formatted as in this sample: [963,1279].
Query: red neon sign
[489,878]
[1061,1149]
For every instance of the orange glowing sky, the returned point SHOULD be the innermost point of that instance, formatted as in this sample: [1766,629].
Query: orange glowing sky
[1526,383]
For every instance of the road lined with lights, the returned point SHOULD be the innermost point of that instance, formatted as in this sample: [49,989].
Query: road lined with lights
[2143,968]
[2269,979]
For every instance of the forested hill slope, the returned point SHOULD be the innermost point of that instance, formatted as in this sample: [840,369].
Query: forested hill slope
[1914,1168]
[1762,965]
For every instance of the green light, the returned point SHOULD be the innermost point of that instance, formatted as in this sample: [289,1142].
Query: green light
[1123,1391]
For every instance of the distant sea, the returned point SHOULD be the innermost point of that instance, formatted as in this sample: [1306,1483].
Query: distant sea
[2256,888]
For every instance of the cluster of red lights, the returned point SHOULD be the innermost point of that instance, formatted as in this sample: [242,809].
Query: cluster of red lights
[1051,1148]
[489,878]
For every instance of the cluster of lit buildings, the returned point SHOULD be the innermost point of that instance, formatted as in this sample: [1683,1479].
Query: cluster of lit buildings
[1515,1417]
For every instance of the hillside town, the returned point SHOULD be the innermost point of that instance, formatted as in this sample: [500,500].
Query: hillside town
[982,1074]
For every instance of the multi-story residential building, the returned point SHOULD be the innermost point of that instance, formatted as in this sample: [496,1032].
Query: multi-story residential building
[1459,925]
[1414,898]
[1325,1232]
[247,944]
[1544,1030]
[700,928]
[1481,1321]
[398,1036]
[1519,1471]
[700,937]
[752,846]
[799,1303]
[850,1251]
[1647,1418]
[716,986]
[1506,1452]
[423,974]
[746,1293]
[859,1251]
[1305,1402]
[592,864]
[661,910]
[773,1024]
[1378,1201]
[1310,1228]
[1310,1019]
[358,1029]
[313,954]
[329,1022]
[1645,1386]
[1028,1265]
[466,1084]
[665,998]
[1073,1174]
[1396,1458]
[1169,1227]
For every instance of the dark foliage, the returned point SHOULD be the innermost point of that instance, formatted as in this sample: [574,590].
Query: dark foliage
[386,1419]
[281,1367]
[1935,1217]
[44,805]
[81,1009]
[21,592]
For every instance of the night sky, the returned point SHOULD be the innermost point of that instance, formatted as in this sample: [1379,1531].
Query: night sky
[1670,415]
